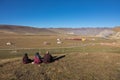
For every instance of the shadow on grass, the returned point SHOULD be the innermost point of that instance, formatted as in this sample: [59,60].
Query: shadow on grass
[55,58]
[1,65]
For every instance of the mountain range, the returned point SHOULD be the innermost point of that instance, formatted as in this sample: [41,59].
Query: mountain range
[26,30]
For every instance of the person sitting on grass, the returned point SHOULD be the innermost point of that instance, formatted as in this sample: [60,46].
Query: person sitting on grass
[37,58]
[26,59]
[47,58]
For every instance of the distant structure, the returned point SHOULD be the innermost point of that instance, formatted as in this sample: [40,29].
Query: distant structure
[83,39]
[59,41]
[8,43]
[46,43]
[70,33]
[77,39]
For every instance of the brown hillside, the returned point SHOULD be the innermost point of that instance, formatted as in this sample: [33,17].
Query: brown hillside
[24,30]
[117,29]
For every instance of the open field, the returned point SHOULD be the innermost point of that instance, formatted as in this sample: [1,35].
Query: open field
[74,66]
[93,59]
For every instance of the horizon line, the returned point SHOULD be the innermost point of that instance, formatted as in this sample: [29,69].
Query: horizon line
[58,27]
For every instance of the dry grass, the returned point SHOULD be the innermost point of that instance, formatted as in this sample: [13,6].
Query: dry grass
[37,41]
[74,66]
[86,60]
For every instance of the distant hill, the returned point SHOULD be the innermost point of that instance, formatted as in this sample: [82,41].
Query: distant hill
[13,29]
[106,33]
[117,29]
[24,30]
[117,32]
[80,31]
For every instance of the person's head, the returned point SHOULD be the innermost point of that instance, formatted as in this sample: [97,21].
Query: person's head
[47,52]
[25,54]
[37,53]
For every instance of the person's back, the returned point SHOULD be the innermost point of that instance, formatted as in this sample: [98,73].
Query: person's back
[37,59]
[26,59]
[47,58]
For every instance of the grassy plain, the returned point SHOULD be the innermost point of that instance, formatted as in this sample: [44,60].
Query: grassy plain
[93,59]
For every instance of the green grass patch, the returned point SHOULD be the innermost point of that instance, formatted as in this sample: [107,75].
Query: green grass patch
[81,49]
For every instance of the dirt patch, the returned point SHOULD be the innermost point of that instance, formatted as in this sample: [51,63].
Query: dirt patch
[110,44]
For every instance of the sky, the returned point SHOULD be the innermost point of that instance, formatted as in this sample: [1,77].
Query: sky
[60,13]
